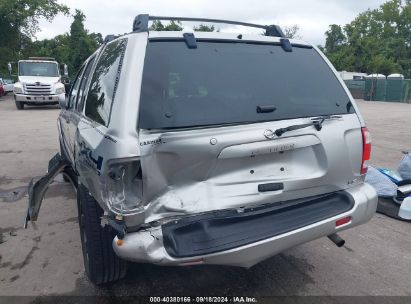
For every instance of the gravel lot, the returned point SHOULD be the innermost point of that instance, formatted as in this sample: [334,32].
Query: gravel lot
[46,259]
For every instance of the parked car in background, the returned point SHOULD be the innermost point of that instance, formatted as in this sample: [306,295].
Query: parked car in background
[2,92]
[8,85]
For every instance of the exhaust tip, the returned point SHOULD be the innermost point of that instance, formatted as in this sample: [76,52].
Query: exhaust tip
[336,239]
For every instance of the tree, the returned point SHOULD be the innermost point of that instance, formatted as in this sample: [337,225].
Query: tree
[81,44]
[383,65]
[376,41]
[71,48]
[172,26]
[57,47]
[334,38]
[23,15]
[19,23]
[204,28]
[177,26]
[292,31]
[96,37]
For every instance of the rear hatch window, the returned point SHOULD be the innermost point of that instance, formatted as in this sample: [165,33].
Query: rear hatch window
[221,83]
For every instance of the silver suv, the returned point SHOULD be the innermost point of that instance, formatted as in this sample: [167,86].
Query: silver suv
[208,148]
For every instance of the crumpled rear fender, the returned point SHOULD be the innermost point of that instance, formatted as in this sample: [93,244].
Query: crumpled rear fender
[38,189]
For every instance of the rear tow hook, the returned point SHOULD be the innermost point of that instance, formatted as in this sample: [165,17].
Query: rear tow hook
[336,239]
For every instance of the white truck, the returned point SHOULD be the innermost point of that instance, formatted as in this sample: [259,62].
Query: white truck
[39,82]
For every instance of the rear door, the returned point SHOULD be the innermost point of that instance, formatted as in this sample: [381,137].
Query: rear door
[208,117]
[76,113]
[98,101]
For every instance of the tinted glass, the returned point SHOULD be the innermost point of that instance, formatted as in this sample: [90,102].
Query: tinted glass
[75,89]
[46,69]
[223,83]
[104,82]
[80,98]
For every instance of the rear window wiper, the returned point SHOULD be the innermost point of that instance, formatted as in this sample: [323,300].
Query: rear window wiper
[317,122]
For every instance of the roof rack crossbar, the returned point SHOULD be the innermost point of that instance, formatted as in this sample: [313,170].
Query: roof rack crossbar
[141,23]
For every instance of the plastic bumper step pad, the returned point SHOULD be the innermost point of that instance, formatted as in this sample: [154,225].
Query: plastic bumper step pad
[223,230]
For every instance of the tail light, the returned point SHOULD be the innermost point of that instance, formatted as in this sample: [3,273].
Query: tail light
[366,149]
[124,186]
[343,221]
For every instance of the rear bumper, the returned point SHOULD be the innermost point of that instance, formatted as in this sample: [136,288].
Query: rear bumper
[39,99]
[154,247]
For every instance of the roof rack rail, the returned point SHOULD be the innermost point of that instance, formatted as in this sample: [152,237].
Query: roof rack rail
[140,24]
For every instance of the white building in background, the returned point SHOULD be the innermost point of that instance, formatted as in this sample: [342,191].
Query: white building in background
[352,75]
[395,76]
[376,76]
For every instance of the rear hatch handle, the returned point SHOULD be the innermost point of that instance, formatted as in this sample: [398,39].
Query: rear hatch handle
[37,190]
[317,122]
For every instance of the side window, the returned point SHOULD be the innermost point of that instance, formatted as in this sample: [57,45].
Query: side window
[104,82]
[84,80]
[74,89]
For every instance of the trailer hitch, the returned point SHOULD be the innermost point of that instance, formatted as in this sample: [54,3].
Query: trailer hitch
[38,189]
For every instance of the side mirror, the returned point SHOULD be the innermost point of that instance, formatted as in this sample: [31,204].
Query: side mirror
[9,68]
[65,70]
[64,102]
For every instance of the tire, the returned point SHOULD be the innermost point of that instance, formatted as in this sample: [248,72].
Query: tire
[101,263]
[19,105]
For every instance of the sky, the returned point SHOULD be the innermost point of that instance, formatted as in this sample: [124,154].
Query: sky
[116,16]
